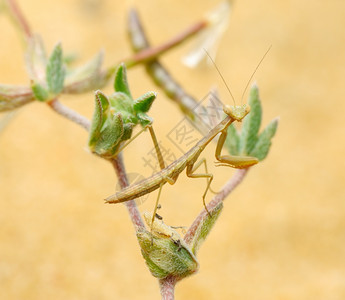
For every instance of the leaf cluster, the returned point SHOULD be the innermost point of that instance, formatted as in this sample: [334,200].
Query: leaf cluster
[115,116]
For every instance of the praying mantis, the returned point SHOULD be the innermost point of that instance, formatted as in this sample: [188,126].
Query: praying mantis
[189,160]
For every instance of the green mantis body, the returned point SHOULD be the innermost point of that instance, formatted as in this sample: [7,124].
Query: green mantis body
[189,159]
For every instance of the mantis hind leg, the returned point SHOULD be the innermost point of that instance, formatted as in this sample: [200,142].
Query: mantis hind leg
[195,167]
[238,162]
[190,173]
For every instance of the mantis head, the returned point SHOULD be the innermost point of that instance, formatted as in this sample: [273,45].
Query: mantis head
[237,112]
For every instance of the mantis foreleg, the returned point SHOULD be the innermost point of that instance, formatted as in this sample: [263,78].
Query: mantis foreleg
[156,206]
[158,150]
[238,162]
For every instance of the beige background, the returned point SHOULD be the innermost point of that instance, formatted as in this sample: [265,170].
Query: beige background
[282,233]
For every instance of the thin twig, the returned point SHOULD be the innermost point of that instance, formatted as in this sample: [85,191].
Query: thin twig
[117,162]
[19,17]
[70,114]
[150,53]
[145,54]
[167,288]
[123,180]
[218,198]
[188,104]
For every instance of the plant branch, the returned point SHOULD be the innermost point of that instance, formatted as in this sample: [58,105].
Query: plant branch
[143,55]
[218,198]
[19,17]
[167,285]
[167,288]
[150,53]
[123,180]
[117,162]
[70,114]
[158,73]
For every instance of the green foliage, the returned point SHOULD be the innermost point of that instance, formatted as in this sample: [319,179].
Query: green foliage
[251,124]
[55,71]
[47,75]
[165,256]
[205,227]
[50,77]
[144,102]
[36,59]
[40,93]
[120,82]
[249,142]
[85,77]
[115,116]
[232,142]
[165,252]
[263,144]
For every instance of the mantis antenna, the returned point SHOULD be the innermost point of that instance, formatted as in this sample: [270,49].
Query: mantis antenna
[257,67]
[250,79]
[209,56]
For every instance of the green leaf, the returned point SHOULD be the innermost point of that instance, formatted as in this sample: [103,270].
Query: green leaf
[120,82]
[165,256]
[36,59]
[251,123]
[112,133]
[116,115]
[103,99]
[263,144]
[205,227]
[107,142]
[40,93]
[55,72]
[127,131]
[232,142]
[87,71]
[144,102]
[164,250]
[101,105]
[144,119]
[121,102]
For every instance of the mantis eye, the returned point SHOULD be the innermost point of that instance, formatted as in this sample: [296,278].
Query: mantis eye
[228,109]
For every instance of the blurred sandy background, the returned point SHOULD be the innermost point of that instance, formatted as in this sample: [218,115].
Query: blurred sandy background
[282,233]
